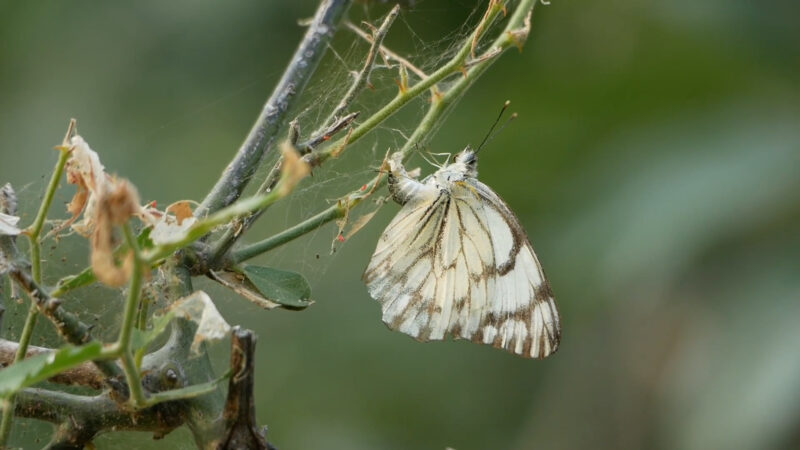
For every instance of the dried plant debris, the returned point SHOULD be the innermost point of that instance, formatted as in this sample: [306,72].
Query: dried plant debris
[103,202]
[85,170]
[113,207]
[293,169]
[171,225]
[8,225]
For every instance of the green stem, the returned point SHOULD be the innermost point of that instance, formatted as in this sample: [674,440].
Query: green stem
[34,232]
[255,249]
[134,291]
[36,228]
[36,270]
[128,321]
[204,226]
[5,423]
[137,398]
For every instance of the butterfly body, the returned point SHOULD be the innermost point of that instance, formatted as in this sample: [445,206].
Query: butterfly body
[455,261]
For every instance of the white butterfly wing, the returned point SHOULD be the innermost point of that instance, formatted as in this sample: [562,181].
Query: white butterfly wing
[521,315]
[459,264]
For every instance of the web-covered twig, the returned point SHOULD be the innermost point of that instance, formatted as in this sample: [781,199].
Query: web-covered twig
[324,135]
[386,53]
[408,93]
[362,77]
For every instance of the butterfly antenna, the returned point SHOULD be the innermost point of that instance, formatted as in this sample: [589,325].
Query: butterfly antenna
[490,134]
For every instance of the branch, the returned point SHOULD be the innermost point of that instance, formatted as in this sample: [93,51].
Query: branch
[90,415]
[249,156]
[239,416]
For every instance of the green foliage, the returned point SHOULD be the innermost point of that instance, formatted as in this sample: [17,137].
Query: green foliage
[286,288]
[41,367]
[141,339]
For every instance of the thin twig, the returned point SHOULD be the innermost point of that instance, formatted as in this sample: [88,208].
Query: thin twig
[250,155]
[362,77]
[324,135]
[123,343]
[34,233]
[386,53]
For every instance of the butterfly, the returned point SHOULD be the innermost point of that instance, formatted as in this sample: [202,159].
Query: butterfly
[455,261]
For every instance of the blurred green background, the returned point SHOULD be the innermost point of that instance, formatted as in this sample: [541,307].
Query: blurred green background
[655,165]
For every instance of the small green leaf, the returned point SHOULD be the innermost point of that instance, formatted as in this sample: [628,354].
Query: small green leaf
[287,288]
[68,283]
[239,283]
[41,367]
[143,239]
[141,339]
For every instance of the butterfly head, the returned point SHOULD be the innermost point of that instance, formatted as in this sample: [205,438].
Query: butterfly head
[465,162]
